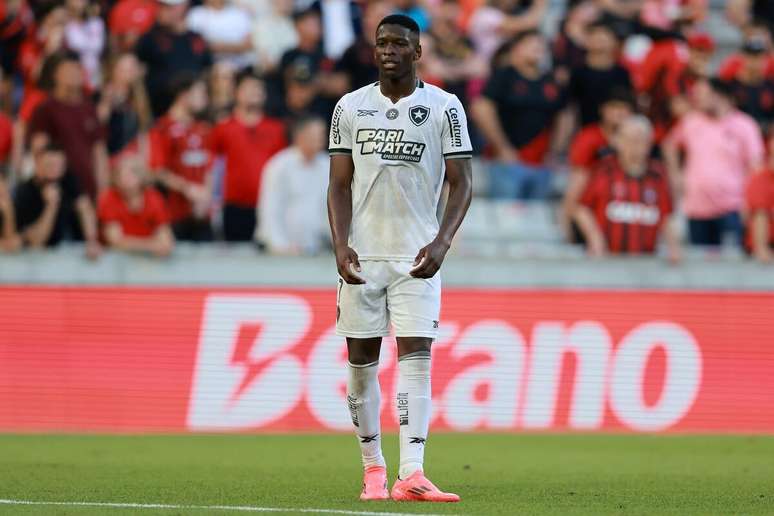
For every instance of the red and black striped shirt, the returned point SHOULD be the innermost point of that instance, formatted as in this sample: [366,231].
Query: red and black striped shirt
[630,211]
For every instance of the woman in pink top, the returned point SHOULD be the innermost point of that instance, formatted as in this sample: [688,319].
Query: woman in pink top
[721,147]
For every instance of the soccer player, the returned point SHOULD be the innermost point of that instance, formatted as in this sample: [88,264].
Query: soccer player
[393,144]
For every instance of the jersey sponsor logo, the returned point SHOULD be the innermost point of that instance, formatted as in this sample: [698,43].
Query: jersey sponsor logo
[632,213]
[455,127]
[335,132]
[367,112]
[419,115]
[392,114]
[390,144]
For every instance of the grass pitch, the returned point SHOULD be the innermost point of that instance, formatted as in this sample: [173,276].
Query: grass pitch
[494,473]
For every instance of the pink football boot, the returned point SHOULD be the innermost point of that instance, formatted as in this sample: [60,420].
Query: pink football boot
[417,488]
[375,484]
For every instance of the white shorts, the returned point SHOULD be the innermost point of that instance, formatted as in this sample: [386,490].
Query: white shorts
[413,305]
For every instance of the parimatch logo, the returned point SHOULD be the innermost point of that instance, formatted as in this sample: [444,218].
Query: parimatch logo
[390,144]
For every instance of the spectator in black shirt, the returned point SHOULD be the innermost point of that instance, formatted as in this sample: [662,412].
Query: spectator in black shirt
[9,239]
[357,63]
[167,49]
[51,207]
[600,73]
[516,114]
[753,91]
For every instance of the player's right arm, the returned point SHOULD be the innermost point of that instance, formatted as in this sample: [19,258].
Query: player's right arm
[340,195]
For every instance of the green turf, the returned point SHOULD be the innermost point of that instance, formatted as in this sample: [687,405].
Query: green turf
[495,474]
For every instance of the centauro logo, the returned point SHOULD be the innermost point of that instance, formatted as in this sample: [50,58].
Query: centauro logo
[389,143]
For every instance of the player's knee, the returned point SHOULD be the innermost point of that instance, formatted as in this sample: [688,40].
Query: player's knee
[408,345]
[363,351]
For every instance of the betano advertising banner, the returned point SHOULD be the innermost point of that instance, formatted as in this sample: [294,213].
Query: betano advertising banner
[204,360]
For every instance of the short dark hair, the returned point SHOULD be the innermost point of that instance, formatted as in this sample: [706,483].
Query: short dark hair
[50,146]
[722,87]
[300,122]
[402,20]
[519,37]
[623,95]
[181,83]
[246,75]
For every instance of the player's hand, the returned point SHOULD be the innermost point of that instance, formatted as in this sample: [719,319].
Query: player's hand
[346,261]
[429,259]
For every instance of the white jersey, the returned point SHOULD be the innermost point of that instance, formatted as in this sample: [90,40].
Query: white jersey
[398,151]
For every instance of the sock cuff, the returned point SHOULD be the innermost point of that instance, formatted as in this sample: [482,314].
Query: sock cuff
[416,355]
[363,366]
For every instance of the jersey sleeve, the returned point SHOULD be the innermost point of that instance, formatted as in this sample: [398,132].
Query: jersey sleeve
[454,136]
[340,140]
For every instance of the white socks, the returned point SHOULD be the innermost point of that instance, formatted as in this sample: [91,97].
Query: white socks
[364,398]
[414,408]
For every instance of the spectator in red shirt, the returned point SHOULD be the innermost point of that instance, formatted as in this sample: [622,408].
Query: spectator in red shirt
[6,141]
[592,144]
[182,161]
[760,211]
[132,214]
[247,140]
[9,239]
[627,204]
[516,114]
[69,119]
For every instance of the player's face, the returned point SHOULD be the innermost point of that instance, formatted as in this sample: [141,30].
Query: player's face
[396,51]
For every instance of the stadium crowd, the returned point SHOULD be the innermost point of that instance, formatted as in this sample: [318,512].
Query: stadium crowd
[134,124]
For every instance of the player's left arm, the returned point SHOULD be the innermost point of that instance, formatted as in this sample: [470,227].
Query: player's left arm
[459,175]
[457,152]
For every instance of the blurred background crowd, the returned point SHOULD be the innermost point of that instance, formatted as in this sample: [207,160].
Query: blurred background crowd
[624,126]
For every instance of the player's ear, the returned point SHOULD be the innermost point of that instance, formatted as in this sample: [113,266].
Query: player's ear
[418,51]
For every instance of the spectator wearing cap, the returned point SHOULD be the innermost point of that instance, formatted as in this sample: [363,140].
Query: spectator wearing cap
[292,207]
[754,92]
[591,145]
[357,64]
[168,49]
[756,30]
[494,22]
[516,113]
[132,213]
[591,84]
[9,239]
[627,204]
[181,160]
[129,20]
[759,210]
[246,140]
[50,206]
[722,146]
[227,28]
[69,119]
